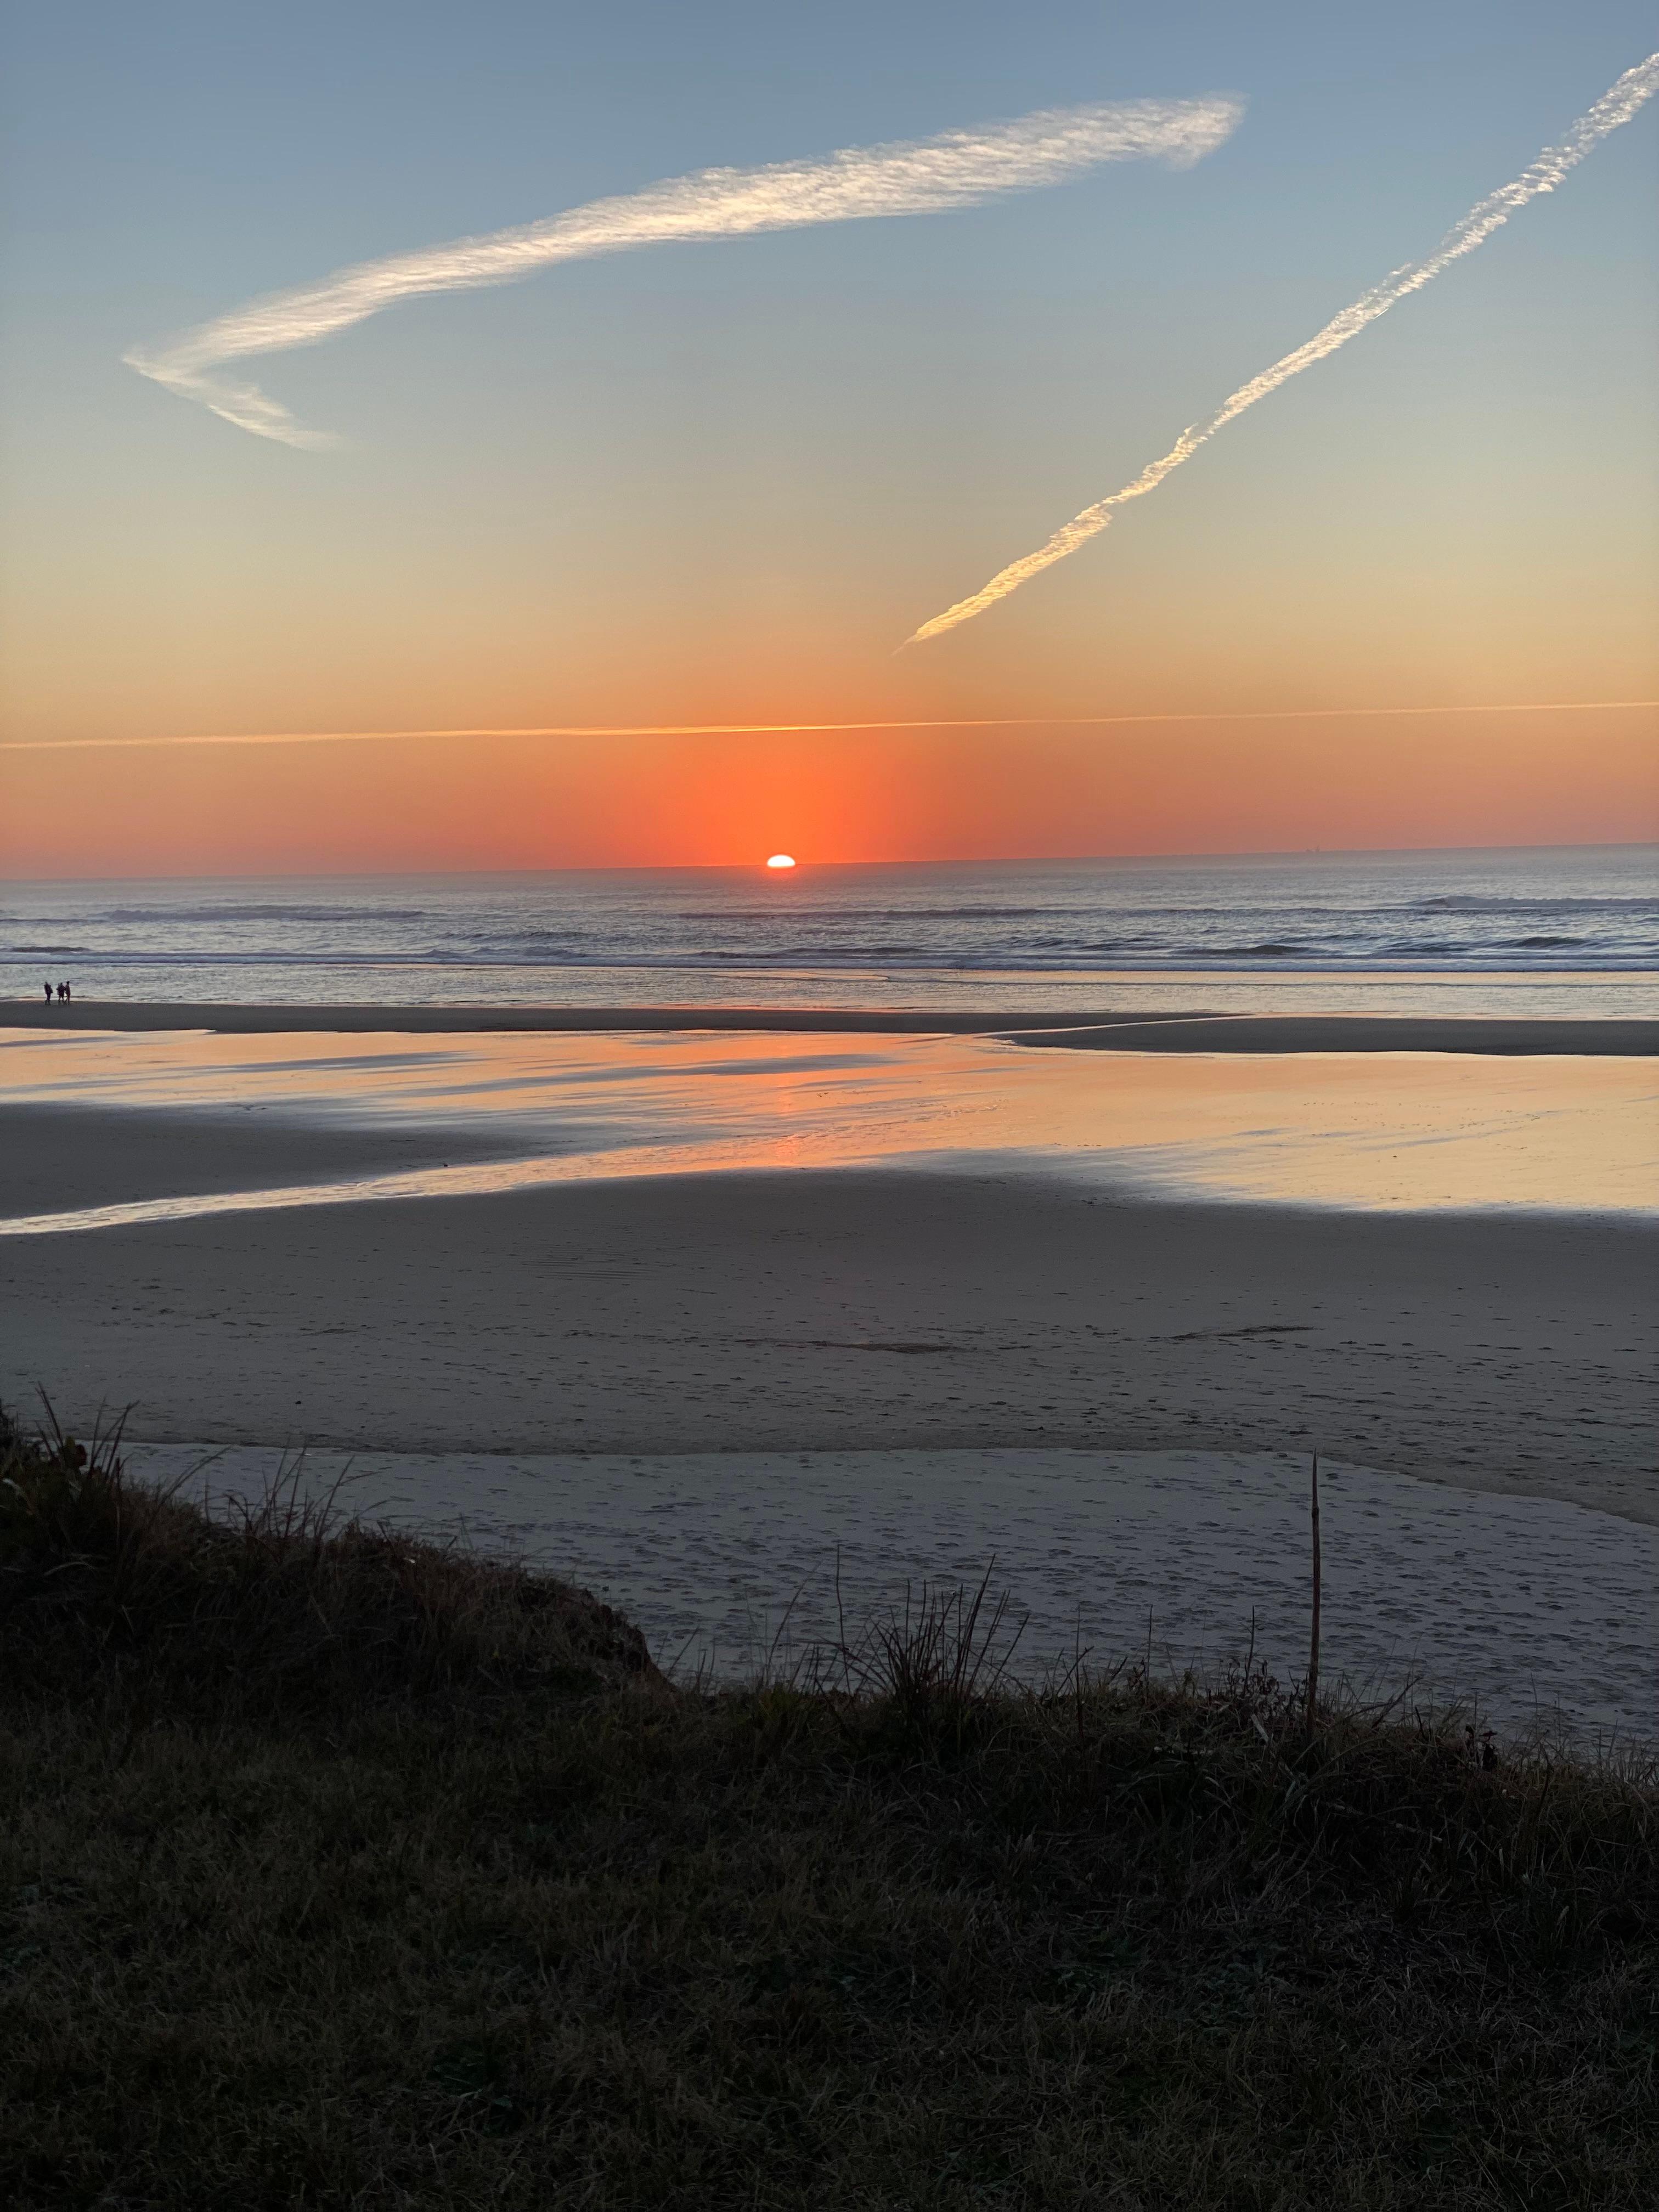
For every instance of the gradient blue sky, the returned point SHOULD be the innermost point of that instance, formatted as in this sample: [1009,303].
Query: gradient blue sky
[720,482]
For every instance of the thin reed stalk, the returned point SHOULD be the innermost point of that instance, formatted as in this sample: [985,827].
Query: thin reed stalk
[1318,1576]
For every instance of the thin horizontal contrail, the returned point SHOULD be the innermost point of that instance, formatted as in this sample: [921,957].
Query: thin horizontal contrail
[806,729]
[919,176]
[1615,106]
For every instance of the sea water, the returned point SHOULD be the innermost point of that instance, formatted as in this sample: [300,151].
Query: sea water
[1573,930]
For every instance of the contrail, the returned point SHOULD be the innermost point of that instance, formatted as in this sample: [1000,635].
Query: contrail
[806,729]
[1615,106]
[911,177]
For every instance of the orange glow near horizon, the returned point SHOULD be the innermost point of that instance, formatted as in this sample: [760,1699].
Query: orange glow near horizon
[1567,776]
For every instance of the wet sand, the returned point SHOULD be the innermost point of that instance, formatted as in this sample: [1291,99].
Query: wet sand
[1178,1032]
[90,1120]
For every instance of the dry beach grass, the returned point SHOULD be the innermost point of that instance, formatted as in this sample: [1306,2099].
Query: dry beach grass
[342,1870]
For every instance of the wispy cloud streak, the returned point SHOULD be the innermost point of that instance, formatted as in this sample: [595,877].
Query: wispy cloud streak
[806,729]
[921,176]
[1615,106]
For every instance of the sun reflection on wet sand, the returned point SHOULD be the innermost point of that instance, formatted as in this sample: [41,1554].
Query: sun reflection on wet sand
[1370,1131]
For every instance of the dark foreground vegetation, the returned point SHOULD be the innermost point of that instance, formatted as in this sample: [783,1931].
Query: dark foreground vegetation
[341,1870]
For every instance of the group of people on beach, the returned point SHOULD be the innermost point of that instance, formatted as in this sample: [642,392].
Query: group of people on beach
[61,990]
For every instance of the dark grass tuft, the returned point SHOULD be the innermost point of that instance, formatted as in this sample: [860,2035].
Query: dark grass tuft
[108,1581]
[322,1883]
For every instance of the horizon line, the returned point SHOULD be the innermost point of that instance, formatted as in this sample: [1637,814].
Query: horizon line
[957,860]
[802,729]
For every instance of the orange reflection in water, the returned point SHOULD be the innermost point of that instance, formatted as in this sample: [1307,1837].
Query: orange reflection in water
[1388,1131]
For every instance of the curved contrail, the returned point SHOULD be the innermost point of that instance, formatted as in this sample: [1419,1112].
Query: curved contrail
[913,176]
[1615,106]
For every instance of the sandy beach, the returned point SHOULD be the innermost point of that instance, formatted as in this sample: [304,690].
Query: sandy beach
[860,1311]
[516,1280]
[1536,1612]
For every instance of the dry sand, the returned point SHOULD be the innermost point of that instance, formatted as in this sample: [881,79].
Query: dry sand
[855,1310]
[1533,1609]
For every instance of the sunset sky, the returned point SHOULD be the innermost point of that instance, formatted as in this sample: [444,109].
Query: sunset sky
[721,480]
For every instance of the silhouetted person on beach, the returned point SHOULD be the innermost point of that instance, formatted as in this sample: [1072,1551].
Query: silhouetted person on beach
[62,993]
[46,987]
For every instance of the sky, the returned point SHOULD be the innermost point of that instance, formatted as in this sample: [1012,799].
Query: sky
[710,481]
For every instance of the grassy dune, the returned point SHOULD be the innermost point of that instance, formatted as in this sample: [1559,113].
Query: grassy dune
[342,1870]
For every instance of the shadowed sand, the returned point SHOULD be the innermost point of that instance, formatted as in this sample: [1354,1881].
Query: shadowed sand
[1530,1605]
[848,1309]
[1179,1031]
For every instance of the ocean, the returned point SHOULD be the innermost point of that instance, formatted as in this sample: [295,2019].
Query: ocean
[1573,930]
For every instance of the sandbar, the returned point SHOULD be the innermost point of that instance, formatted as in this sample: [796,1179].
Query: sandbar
[1178,1032]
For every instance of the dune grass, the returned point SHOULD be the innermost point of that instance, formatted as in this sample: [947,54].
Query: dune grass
[341,1870]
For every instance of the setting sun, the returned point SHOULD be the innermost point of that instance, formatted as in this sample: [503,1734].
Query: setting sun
[782,860]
